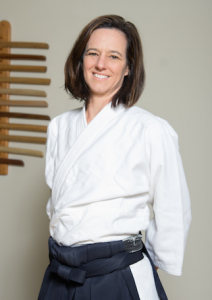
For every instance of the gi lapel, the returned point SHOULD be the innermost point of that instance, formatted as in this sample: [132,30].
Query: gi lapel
[82,122]
[85,135]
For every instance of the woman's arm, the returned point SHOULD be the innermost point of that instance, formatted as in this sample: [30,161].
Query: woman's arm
[167,233]
[51,148]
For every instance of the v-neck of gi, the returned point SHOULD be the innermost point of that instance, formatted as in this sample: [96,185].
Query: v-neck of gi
[82,121]
[84,113]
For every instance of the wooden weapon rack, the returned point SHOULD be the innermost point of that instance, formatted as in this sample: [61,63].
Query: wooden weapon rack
[5,80]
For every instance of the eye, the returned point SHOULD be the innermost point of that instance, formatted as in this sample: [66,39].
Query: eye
[114,57]
[92,54]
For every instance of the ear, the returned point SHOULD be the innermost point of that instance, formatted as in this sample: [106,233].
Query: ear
[127,71]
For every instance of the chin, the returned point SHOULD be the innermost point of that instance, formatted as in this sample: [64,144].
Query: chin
[99,92]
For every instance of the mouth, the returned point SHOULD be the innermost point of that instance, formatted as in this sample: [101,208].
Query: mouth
[100,76]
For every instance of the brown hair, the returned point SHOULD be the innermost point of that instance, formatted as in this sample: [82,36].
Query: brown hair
[133,83]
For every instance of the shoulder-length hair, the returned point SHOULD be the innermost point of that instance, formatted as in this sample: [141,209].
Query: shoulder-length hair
[133,83]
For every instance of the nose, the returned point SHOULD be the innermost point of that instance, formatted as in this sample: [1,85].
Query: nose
[101,63]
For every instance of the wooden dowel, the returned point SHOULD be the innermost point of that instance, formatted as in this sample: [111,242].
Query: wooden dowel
[23,92]
[23,103]
[23,116]
[22,56]
[25,80]
[19,68]
[29,45]
[5,35]
[13,162]
[23,127]
[23,139]
[21,151]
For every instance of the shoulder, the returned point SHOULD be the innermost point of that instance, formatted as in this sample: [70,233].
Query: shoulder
[151,123]
[61,121]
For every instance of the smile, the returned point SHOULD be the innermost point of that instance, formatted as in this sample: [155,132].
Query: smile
[100,76]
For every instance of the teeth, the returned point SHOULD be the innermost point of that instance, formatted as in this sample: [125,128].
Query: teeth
[100,76]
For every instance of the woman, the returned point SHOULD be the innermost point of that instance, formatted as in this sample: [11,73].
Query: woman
[104,163]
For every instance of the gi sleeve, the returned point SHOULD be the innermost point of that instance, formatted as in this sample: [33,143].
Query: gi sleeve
[51,149]
[167,232]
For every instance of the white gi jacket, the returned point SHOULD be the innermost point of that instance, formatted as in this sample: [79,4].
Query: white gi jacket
[102,176]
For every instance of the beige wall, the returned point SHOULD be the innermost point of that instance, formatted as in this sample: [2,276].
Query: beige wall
[177,48]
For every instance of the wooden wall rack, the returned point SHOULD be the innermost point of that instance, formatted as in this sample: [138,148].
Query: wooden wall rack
[5,103]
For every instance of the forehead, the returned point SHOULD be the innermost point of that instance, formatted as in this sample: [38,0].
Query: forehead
[107,38]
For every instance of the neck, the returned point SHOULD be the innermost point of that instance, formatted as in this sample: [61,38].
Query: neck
[94,106]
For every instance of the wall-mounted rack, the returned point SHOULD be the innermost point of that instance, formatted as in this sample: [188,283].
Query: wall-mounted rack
[5,103]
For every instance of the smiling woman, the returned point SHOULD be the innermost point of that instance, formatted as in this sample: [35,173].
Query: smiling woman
[104,163]
[105,64]
[117,40]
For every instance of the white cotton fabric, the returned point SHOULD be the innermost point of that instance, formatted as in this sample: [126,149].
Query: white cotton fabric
[103,175]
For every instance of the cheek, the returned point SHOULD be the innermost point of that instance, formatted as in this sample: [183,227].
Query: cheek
[120,71]
[87,64]
[85,68]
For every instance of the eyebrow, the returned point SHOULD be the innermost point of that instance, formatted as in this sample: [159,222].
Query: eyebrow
[89,49]
[95,49]
[116,52]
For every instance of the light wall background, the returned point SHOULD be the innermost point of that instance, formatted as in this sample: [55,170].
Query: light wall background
[177,49]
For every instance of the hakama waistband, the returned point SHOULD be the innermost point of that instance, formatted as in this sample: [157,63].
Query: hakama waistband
[97,271]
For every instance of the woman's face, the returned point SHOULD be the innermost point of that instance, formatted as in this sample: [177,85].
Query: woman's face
[104,62]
